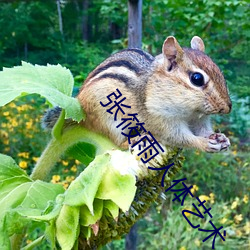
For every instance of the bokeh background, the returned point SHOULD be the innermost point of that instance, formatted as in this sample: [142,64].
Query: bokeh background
[79,34]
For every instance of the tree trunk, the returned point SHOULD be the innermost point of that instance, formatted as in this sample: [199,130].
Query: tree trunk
[85,20]
[59,16]
[135,23]
[131,238]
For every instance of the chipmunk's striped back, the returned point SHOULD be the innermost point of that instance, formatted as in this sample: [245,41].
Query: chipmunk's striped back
[123,66]
[128,71]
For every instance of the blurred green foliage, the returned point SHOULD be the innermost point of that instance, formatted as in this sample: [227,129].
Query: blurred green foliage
[30,32]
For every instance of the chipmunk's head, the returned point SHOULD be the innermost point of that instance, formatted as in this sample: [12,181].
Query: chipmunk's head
[193,79]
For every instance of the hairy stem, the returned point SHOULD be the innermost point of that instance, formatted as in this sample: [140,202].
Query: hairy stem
[57,147]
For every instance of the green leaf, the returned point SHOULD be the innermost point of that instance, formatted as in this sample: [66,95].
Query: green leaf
[14,198]
[48,215]
[53,82]
[86,231]
[50,234]
[11,200]
[83,189]
[86,218]
[83,152]
[67,226]
[39,194]
[20,197]
[4,240]
[118,188]
[112,208]
[9,168]
[13,223]
[26,202]
[6,186]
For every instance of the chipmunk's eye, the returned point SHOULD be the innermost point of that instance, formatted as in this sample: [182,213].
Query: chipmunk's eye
[197,79]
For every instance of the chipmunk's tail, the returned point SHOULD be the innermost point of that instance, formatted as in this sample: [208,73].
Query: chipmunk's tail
[50,117]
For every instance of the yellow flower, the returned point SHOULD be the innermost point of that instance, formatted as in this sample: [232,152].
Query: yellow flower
[225,207]
[223,221]
[6,141]
[73,168]
[224,164]
[245,199]
[204,197]
[6,113]
[6,149]
[238,233]
[23,107]
[197,152]
[197,242]
[211,195]
[65,163]
[194,188]
[182,248]
[12,105]
[14,123]
[77,162]
[4,134]
[29,124]
[238,159]
[65,185]
[186,213]
[238,218]
[247,228]
[235,203]
[23,164]
[55,178]
[70,178]
[234,152]
[24,155]
[35,159]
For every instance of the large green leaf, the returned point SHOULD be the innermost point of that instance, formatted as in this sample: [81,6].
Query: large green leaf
[118,188]
[21,197]
[6,186]
[53,82]
[101,180]
[9,168]
[83,189]
[83,152]
[67,226]
[40,193]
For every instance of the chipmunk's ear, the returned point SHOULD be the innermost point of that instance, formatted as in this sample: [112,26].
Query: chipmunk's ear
[171,49]
[197,43]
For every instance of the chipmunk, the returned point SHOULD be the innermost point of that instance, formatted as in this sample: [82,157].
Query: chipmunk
[174,94]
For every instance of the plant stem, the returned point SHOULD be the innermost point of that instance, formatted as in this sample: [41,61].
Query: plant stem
[16,240]
[57,147]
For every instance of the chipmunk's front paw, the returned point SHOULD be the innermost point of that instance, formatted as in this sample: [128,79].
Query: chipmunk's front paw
[217,142]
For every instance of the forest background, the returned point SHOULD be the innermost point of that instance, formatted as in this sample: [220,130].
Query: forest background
[79,34]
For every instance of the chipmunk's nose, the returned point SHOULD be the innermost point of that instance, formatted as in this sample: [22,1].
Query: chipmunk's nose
[226,109]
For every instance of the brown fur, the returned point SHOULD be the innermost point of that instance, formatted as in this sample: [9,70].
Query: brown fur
[159,90]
